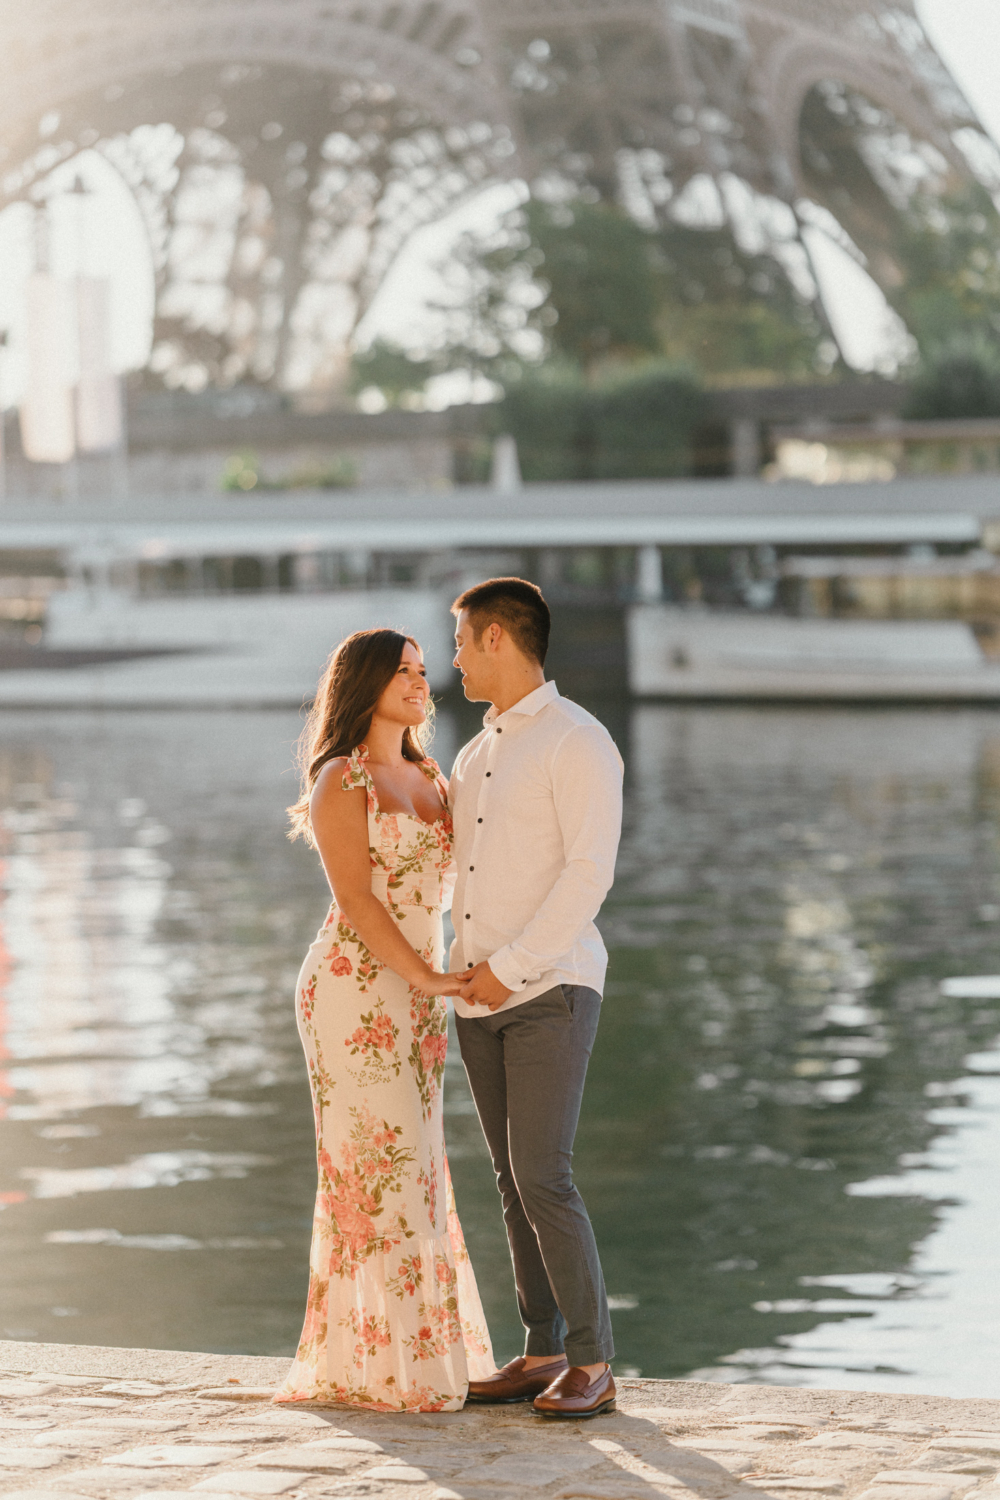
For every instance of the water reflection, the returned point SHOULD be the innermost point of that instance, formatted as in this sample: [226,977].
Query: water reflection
[790,1134]
[154,916]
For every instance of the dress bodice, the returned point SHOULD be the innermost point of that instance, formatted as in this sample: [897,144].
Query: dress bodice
[411,859]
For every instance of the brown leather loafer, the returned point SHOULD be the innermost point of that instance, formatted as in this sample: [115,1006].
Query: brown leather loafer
[574,1394]
[515,1383]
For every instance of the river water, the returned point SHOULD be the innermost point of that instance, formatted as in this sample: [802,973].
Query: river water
[791,1134]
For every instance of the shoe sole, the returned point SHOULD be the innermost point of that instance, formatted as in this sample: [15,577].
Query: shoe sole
[573,1416]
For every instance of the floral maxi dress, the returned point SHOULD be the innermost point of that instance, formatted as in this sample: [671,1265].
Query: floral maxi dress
[393,1319]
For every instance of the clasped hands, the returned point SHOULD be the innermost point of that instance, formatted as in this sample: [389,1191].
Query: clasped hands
[477,986]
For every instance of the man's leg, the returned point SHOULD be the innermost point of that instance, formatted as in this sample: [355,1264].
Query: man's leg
[547,1044]
[482,1047]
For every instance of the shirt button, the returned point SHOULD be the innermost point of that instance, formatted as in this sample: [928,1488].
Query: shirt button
[489,773]
[471,868]
[479,820]
[470,964]
[468,914]
[499,731]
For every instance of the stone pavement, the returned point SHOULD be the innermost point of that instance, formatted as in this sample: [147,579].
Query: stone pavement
[85,1423]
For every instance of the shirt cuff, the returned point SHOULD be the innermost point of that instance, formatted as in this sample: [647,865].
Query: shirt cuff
[504,967]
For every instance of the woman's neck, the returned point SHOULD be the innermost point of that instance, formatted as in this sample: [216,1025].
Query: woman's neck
[385,743]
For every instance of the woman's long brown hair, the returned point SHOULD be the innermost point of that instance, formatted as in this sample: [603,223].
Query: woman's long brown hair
[355,677]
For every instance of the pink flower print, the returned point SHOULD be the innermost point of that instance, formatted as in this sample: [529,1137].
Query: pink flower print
[356,1228]
[341,966]
[384,1033]
[307,999]
[375,1040]
[380,1034]
[407,1278]
[428,1181]
[433,1050]
[426,1342]
[314,1328]
[372,1333]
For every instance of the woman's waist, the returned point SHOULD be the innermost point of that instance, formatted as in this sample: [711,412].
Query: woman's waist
[417,919]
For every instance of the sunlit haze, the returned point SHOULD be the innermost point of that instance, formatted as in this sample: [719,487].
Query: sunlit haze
[101,233]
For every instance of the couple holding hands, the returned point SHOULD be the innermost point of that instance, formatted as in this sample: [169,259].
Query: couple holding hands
[526,832]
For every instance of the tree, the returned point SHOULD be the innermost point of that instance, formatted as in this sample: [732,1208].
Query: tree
[633,423]
[584,283]
[391,370]
[731,313]
[958,379]
[949,251]
[598,268]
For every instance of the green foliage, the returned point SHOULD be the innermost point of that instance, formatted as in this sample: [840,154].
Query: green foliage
[242,473]
[949,252]
[546,412]
[391,370]
[597,264]
[591,287]
[960,379]
[633,424]
[732,313]
[338,473]
[644,421]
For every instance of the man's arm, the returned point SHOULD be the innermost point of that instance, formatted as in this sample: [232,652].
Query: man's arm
[587,792]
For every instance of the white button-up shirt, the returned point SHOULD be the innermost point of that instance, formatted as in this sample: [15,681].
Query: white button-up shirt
[536,800]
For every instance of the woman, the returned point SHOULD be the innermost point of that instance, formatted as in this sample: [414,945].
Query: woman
[393,1319]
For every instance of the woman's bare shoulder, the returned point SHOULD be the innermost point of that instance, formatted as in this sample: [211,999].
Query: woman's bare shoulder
[329,788]
[333,770]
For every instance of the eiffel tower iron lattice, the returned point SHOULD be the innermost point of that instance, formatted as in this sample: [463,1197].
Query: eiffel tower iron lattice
[283,152]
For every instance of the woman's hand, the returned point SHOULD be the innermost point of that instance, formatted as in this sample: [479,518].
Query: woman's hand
[433,983]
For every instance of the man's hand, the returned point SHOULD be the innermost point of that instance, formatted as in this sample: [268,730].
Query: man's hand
[482,987]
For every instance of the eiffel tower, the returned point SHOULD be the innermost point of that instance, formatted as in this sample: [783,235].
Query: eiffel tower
[283,152]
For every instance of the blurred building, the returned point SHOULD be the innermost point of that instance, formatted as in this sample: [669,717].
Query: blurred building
[732,588]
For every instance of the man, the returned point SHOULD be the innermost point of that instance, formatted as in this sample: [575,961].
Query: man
[536,800]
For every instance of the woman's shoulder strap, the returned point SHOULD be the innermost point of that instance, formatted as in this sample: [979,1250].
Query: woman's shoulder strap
[433,772]
[431,769]
[357,774]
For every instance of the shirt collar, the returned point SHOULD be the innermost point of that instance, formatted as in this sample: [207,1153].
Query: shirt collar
[529,705]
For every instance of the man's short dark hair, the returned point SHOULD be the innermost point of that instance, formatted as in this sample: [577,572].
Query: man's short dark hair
[515,605]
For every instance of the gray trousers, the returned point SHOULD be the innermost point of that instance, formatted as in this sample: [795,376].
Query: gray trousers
[527,1068]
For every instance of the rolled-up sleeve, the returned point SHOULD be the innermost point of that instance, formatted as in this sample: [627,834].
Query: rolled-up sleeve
[587,795]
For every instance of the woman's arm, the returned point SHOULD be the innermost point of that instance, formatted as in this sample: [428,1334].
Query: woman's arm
[340,825]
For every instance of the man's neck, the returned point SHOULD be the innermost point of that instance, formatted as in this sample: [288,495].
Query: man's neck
[513,692]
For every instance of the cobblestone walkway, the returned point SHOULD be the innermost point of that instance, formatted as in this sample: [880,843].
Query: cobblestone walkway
[138,1423]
